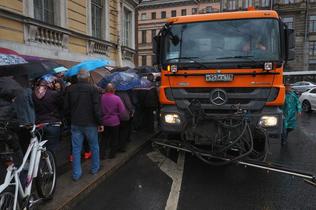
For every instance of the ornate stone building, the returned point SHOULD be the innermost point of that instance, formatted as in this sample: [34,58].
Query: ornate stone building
[71,30]
[152,15]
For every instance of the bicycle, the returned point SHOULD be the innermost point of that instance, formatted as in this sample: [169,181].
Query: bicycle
[39,164]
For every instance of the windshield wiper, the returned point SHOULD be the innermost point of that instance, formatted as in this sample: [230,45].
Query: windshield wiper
[237,56]
[192,59]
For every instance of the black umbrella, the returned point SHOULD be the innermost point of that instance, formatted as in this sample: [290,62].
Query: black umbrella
[9,88]
[32,70]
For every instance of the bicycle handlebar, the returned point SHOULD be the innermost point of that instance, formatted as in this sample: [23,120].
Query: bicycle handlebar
[39,126]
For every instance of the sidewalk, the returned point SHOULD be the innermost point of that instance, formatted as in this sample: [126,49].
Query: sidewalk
[69,192]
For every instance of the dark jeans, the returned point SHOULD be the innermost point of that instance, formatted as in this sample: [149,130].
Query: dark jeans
[110,141]
[285,135]
[124,134]
[149,119]
[51,133]
[24,138]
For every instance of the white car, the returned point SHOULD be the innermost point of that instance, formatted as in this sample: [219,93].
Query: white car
[308,100]
[302,86]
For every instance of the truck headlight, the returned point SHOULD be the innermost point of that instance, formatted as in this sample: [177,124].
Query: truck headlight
[268,121]
[172,119]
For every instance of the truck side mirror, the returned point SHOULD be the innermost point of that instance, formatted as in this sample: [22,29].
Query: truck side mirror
[156,49]
[290,44]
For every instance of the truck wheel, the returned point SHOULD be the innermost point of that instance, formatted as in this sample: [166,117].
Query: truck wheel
[306,106]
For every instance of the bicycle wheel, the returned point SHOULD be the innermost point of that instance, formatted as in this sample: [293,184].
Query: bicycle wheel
[7,201]
[46,180]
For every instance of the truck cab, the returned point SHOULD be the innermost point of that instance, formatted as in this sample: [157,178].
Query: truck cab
[221,71]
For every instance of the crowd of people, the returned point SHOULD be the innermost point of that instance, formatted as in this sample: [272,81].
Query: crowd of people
[99,119]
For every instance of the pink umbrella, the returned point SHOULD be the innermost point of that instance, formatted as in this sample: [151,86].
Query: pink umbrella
[8,51]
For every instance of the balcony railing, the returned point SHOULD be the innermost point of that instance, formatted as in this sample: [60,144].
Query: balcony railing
[128,53]
[46,35]
[99,47]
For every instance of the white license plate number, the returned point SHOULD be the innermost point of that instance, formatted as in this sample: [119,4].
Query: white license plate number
[219,77]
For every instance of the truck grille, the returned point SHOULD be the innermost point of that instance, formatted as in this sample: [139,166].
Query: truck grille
[248,98]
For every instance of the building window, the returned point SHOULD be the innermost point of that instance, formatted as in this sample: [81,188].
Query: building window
[312,48]
[265,3]
[288,1]
[194,11]
[183,12]
[247,3]
[208,9]
[312,23]
[143,16]
[144,60]
[231,4]
[153,33]
[153,59]
[96,18]
[144,39]
[153,15]
[289,21]
[44,10]
[127,27]
[163,14]
[173,13]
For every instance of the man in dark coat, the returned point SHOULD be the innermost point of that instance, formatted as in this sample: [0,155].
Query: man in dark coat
[82,105]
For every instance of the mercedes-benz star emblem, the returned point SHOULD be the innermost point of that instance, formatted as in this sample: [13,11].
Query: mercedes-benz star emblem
[218,97]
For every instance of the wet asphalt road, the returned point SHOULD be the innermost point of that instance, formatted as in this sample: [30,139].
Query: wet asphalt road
[141,185]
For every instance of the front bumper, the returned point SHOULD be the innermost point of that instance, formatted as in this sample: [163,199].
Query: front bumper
[186,119]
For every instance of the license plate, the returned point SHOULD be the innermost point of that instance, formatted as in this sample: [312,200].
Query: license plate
[219,77]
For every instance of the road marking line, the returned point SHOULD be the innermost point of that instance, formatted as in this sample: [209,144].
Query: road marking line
[174,171]
[173,200]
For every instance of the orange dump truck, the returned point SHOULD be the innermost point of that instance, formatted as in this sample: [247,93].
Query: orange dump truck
[222,82]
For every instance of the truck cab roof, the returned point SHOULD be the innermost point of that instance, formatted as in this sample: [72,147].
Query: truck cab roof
[224,16]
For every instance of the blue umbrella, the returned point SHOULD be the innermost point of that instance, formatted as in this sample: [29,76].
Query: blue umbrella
[88,65]
[121,80]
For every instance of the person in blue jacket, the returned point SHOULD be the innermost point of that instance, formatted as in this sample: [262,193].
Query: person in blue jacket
[291,109]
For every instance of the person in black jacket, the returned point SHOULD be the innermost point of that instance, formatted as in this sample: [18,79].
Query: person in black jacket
[126,124]
[82,104]
[9,89]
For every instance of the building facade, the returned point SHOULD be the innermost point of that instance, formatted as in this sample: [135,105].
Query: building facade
[299,15]
[70,30]
[152,14]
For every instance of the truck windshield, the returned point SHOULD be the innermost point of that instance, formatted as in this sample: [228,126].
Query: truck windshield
[229,41]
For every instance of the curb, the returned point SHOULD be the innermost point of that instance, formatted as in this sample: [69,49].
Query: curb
[70,202]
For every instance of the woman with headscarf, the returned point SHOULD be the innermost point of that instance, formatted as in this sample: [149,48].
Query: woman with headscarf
[48,105]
